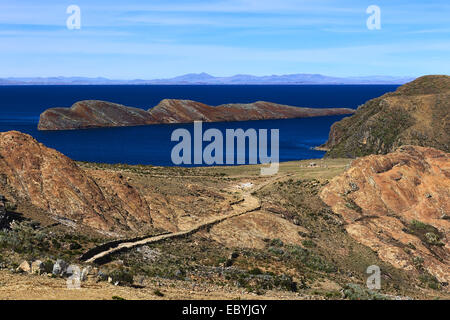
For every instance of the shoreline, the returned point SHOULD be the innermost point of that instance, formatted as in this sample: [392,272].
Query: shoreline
[208,167]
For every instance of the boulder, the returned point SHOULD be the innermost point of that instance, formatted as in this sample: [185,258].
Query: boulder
[24,267]
[73,270]
[60,267]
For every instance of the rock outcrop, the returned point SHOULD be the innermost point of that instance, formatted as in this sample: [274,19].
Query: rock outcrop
[417,113]
[399,205]
[97,114]
[24,267]
[54,183]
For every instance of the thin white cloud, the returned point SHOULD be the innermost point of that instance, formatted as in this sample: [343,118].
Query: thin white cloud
[69,43]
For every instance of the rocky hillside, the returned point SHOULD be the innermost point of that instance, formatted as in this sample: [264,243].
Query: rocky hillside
[417,113]
[31,172]
[96,114]
[398,205]
[93,114]
[222,232]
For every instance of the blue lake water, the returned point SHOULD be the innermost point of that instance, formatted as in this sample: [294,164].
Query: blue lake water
[20,107]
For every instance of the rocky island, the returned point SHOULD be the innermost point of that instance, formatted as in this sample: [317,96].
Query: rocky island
[98,114]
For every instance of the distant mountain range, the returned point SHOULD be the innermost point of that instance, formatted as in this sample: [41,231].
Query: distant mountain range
[204,78]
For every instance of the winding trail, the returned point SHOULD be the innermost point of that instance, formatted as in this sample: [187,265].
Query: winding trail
[249,204]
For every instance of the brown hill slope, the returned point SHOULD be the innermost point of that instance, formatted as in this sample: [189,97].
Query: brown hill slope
[417,113]
[95,114]
[398,205]
[54,183]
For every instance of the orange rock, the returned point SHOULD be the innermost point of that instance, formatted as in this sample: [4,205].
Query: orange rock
[55,184]
[380,197]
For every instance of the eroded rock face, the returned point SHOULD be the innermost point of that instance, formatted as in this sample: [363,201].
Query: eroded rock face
[399,205]
[96,114]
[55,184]
[415,114]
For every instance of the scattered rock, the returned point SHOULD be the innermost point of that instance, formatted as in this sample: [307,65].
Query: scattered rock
[24,267]
[73,270]
[101,276]
[148,253]
[60,267]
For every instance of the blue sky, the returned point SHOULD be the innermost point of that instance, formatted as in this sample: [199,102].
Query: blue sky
[156,39]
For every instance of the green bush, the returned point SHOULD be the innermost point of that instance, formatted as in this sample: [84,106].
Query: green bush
[425,232]
[430,281]
[308,243]
[48,266]
[255,271]
[122,276]
[354,291]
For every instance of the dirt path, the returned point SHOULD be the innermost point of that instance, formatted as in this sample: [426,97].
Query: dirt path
[249,204]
